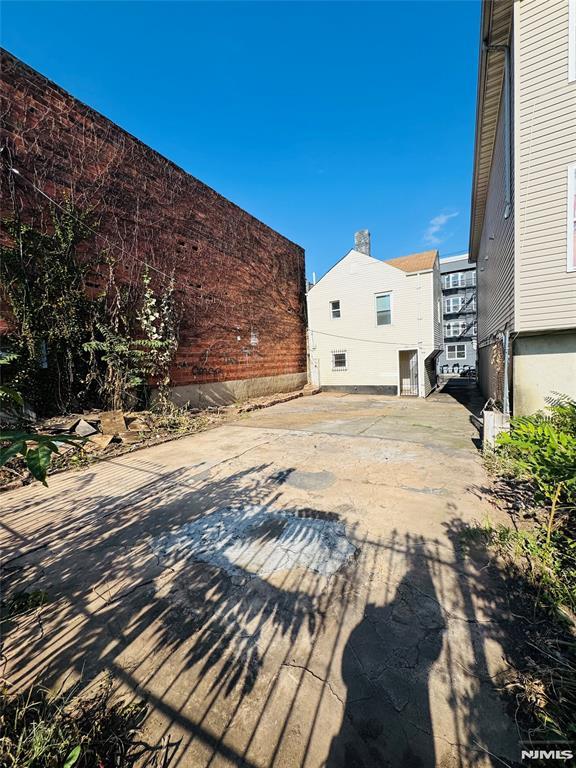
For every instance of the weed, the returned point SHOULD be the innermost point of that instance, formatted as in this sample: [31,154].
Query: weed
[45,730]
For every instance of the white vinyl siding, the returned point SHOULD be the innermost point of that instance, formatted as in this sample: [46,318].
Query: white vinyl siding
[572,41]
[371,349]
[571,216]
[495,263]
[546,148]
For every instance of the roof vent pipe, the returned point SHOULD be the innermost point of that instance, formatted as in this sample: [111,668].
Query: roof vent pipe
[362,241]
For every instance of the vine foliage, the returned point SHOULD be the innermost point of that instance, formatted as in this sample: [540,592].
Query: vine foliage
[73,349]
[44,284]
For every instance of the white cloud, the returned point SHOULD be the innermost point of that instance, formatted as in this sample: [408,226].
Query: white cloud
[434,231]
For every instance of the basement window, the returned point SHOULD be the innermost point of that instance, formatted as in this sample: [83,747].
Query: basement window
[335,309]
[339,361]
[455,351]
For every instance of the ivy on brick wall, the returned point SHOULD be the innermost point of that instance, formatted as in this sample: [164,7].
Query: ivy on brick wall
[44,285]
[71,349]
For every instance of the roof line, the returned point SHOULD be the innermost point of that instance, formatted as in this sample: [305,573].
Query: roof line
[5,52]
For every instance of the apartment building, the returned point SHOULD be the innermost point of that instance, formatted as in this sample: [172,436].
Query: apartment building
[376,326]
[523,223]
[459,314]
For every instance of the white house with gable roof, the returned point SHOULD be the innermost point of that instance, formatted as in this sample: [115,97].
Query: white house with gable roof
[376,326]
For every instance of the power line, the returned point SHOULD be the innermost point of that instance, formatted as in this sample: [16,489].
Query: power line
[112,245]
[353,338]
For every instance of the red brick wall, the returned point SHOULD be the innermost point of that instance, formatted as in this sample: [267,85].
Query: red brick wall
[235,276]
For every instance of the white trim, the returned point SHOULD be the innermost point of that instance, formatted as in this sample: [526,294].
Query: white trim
[332,310]
[570,220]
[449,259]
[376,297]
[455,359]
[572,41]
[409,349]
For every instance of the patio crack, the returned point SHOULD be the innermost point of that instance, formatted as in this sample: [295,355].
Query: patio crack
[320,679]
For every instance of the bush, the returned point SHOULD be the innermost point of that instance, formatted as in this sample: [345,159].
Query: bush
[542,447]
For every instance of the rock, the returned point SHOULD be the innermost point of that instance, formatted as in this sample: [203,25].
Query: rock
[112,422]
[98,442]
[84,429]
[64,448]
[137,425]
[62,425]
[129,438]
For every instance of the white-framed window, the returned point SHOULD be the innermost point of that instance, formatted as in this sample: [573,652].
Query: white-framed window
[572,41]
[384,309]
[335,310]
[571,234]
[455,280]
[455,328]
[455,351]
[453,304]
[339,360]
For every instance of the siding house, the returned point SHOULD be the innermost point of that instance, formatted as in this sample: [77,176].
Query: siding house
[376,326]
[459,311]
[523,221]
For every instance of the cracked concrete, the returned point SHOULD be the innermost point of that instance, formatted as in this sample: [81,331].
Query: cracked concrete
[288,590]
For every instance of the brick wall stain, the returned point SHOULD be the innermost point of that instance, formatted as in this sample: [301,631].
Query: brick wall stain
[241,284]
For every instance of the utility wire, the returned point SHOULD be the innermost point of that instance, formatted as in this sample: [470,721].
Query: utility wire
[353,338]
[112,245]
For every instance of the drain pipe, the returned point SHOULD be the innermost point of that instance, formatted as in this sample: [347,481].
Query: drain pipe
[505,395]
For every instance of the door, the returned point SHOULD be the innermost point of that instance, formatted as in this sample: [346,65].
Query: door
[408,363]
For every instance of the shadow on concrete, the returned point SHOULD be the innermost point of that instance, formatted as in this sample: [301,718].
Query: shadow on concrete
[386,666]
[464,391]
[118,606]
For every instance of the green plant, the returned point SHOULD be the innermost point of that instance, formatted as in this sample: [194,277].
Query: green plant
[36,449]
[128,351]
[66,730]
[44,284]
[543,448]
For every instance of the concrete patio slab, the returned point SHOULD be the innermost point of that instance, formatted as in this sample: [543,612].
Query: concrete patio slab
[286,590]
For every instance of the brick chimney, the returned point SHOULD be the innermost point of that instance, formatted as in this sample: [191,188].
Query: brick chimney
[362,241]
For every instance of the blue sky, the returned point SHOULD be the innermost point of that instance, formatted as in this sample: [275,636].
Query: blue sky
[318,118]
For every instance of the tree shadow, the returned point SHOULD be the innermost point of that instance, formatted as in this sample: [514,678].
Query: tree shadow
[152,584]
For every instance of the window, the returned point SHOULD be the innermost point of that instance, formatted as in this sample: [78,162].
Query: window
[571,235]
[339,362]
[455,328]
[335,309]
[453,304]
[456,351]
[572,40]
[384,309]
[455,280]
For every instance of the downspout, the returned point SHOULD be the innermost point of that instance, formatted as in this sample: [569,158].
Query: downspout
[507,123]
[505,394]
